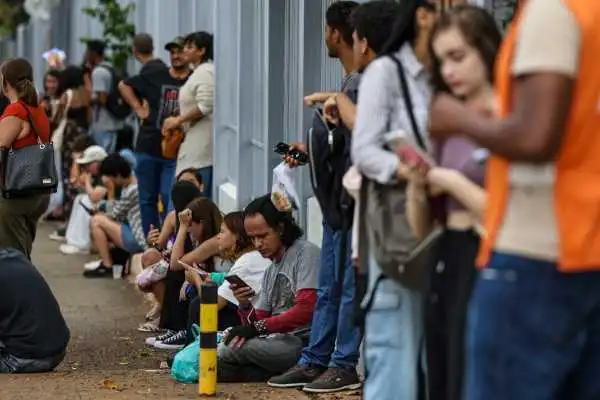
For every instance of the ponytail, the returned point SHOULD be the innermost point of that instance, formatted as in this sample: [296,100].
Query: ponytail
[27,93]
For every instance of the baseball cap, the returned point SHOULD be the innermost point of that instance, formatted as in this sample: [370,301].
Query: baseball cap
[178,42]
[92,154]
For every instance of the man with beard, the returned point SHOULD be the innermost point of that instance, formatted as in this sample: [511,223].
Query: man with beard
[153,94]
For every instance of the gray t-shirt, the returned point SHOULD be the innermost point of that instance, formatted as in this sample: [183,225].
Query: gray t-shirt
[102,120]
[296,271]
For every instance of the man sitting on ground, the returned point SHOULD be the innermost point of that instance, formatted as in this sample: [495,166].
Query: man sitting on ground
[122,223]
[272,334]
[87,180]
[33,332]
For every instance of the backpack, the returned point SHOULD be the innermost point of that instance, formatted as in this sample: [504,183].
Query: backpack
[329,154]
[115,104]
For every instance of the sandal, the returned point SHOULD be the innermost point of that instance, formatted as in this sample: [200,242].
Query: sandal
[154,313]
[151,327]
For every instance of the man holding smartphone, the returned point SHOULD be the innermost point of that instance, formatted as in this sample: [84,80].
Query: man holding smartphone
[328,363]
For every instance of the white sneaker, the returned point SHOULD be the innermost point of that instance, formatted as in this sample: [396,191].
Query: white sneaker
[56,236]
[69,249]
[92,265]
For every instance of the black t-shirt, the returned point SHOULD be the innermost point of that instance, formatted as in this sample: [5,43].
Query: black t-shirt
[155,85]
[4,102]
[31,324]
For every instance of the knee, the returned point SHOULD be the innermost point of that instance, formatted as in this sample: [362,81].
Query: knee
[150,256]
[97,221]
[225,353]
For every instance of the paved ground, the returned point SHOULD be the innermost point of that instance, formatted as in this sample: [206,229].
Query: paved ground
[107,358]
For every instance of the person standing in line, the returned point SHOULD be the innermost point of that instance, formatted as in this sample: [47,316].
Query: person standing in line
[104,125]
[23,123]
[533,328]
[152,95]
[196,109]
[394,332]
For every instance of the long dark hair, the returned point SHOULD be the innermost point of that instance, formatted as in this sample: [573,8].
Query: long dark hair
[404,30]
[280,221]
[479,30]
[243,243]
[205,212]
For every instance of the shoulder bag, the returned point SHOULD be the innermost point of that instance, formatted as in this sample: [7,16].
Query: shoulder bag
[391,242]
[29,170]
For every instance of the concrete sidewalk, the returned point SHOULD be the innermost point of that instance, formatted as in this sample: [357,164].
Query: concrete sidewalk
[107,357]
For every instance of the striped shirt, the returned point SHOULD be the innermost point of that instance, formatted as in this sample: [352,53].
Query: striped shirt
[127,210]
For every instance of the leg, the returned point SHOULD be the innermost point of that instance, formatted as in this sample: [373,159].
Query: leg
[167,178]
[393,341]
[147,172]
[18,227]
[274,354]
[107,140]
[324,323]
[348,336]
[207,174]
[525,331]
[105,231]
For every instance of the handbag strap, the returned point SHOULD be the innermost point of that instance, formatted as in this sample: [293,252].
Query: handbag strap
[405,92]
[33,128]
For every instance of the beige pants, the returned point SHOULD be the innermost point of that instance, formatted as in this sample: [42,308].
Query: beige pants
[19,219]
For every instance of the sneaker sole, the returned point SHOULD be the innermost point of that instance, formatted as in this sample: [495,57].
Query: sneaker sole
[354,386]
[162,346]
[287,385]
[57,238]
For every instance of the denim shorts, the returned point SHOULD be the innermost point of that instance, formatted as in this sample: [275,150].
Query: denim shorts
[129,243]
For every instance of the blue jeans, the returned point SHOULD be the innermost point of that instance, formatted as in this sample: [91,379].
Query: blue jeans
[533,332]
[207,175]
[155,176]
[393,340]
[106,140]
[334,336]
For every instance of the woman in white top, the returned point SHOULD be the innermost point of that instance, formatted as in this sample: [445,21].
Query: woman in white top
[196,108]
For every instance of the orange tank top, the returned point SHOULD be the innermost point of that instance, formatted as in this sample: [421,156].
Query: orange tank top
[577,180]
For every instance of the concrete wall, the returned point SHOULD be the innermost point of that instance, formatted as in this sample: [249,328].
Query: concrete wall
[268,55]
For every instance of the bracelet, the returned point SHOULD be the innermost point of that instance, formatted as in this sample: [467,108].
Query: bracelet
[261,327]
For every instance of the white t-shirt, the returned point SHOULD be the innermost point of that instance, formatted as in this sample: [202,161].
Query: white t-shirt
[250,268]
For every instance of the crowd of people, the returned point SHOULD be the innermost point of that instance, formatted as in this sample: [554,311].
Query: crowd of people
[444,150]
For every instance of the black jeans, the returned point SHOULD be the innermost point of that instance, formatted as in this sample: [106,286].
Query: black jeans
[446,313]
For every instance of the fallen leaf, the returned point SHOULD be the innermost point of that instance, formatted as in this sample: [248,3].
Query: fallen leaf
[110,385]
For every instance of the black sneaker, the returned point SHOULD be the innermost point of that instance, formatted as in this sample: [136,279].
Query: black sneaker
[100,272]
[334,380]
[153,339]
[297,376]
[174,342]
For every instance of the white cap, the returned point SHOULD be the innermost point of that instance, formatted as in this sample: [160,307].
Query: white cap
[92,154]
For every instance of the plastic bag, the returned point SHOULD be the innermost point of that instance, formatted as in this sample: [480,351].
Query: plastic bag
[283,192]
[185,364]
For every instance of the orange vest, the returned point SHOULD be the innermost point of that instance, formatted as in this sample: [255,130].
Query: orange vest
[577,183]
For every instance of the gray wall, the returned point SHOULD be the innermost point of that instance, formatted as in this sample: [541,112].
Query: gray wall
[268,53]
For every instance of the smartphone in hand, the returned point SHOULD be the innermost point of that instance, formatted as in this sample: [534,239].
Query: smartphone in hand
[203,274]
[236,280]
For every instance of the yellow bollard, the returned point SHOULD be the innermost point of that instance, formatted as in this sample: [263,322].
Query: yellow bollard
[207,383]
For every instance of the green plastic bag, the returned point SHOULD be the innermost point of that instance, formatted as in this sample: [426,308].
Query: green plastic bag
[185,364]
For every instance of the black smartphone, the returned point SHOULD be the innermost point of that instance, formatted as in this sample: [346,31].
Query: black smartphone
[90,211]
[284,149]
[236,280]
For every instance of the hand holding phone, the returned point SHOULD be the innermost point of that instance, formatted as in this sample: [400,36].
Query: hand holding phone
[236,280]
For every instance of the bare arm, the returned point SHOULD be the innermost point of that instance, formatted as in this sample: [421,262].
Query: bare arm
[346,109]
[11,128]
[129,96]
[179,248]
[167,229]
[461,188]
[417,210]
[209,248]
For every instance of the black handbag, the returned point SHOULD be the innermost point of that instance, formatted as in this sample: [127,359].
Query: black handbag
[29,170]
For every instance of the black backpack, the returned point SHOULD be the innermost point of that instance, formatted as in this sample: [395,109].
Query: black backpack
[329,154]
[115,104]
